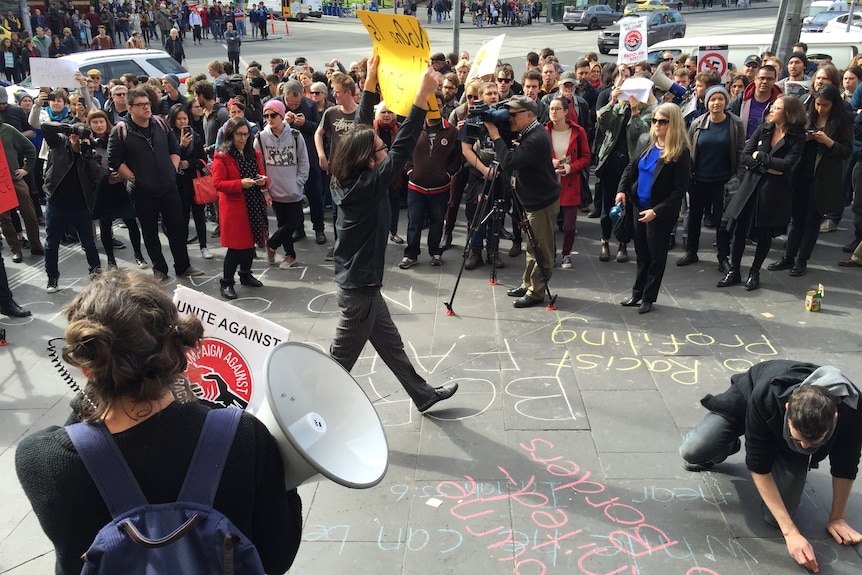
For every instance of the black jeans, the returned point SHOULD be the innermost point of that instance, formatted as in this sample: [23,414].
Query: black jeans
[169,208]
[237,258]
[701,195]
[288,216]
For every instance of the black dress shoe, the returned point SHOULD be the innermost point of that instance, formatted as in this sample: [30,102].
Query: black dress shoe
[753,281]
[227,290]
[688,258]
[517,292]
[298,235]
[631,302]
[320,237]
[785,263]
[250,281]
[12,309]
[731,279]
[645,307]
[445,391]
[446,242]
[671,242]
[799,269]
[723,265]
[526,301]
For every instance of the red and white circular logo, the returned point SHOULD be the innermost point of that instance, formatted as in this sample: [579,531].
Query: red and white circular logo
[633,40]
[219,374]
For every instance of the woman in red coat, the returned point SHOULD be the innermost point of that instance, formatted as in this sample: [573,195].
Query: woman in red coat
[571,155]
[239,179]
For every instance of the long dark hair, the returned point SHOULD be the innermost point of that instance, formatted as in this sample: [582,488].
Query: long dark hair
[175,111]
[838,114]
[230,129]
[351,156]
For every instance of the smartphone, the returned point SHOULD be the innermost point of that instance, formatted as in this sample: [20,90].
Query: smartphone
[187,130]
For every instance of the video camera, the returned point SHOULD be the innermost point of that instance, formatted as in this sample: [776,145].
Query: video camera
[497,114]
[83,133]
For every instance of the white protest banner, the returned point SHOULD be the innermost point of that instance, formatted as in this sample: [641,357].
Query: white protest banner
[713,58]
[633,40]
[53,72]
[228,369]
[640,88]
[486,58]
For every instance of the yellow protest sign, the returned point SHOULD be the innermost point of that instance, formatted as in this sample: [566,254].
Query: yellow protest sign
[405,52]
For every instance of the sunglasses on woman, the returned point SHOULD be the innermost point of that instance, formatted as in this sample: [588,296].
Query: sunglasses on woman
[660,121]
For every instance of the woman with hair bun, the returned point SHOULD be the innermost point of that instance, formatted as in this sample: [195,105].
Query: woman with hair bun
[125,335]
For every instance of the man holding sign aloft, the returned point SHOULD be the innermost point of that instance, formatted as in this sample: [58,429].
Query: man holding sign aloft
[362,168]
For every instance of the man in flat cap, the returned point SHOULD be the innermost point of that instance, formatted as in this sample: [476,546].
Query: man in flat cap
[793,415]
[537,189]
[438,62]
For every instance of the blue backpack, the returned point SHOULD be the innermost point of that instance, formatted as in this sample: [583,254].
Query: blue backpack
[187,536]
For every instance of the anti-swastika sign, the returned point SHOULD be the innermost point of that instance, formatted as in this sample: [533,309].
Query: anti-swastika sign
[712,58]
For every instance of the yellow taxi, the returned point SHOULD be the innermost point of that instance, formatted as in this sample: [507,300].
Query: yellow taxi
[645,6]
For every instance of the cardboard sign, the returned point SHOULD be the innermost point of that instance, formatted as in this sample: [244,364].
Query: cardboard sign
[485,62]
[713,58]
[633,41]
[54,72]
[8,195]
[227,370]
[405,53]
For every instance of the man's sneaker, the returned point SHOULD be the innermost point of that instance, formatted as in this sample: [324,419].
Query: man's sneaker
[287,263]
[161,276]
[206,253]
[95,272]
[52,286]
[270,256]
[407,263]
[142,263]
[436,260]
[828,226]
[320,237]
[329,253]
[192,271]
[118,245]
[567,262]
[216,232]
[707,465]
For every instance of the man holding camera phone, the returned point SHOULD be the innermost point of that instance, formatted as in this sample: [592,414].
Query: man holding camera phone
[143,145]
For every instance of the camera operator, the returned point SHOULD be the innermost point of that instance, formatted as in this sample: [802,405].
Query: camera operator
[478,150]
[71,174]
[537,188]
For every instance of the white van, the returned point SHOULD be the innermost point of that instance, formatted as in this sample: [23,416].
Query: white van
[819,6]
[842,47]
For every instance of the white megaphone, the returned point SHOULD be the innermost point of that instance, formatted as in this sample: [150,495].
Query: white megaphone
[321,419]
[665,84]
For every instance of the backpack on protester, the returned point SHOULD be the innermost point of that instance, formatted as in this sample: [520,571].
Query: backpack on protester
[188,536]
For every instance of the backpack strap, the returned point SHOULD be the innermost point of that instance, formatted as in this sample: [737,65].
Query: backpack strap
[107,466]
[210,455]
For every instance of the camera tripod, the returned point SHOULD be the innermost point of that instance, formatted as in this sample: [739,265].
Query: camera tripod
[493,209]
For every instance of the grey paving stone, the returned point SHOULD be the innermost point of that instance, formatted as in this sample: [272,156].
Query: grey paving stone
[630,421]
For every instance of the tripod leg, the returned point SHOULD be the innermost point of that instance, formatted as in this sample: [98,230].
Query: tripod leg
[478,219]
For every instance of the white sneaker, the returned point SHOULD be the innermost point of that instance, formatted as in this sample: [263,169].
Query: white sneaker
[206,253]
[567,262]
[287,263]
[52,286]
[828,226]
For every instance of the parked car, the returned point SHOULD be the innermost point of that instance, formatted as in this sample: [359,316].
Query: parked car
[661,25]
[645,6]
[593,17]
[818,21]
[840,24]
[115,63]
